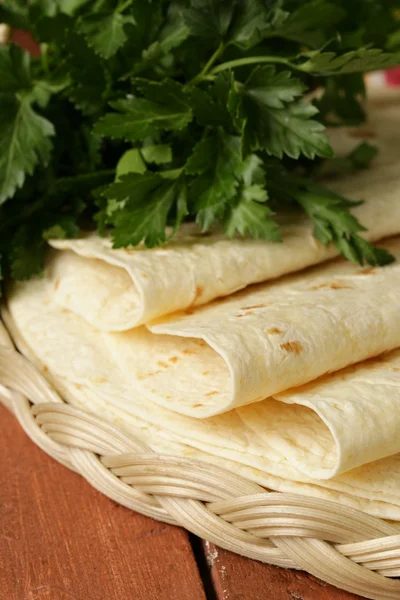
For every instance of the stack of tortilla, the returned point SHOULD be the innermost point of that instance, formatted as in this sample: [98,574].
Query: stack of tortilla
[279,362]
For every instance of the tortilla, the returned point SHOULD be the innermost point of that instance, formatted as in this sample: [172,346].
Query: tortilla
[263,340]
[282,444]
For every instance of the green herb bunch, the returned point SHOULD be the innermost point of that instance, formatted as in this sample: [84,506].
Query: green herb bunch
[140,114]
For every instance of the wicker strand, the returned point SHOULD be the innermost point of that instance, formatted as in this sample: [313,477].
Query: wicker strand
[342,546]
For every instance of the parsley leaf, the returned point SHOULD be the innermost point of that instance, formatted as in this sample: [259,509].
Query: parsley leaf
[218,161]
[251,216]
[24,134]
[334,223]
[276,121]
[105,32]
[209,18]
[144,221]
[164,107]
[355,61]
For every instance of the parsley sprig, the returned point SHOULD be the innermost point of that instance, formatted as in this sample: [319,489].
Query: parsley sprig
[141,115]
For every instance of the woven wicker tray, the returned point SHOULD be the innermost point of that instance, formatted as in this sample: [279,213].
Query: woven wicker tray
[342,546]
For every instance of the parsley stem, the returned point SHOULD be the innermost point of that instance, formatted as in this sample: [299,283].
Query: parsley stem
[123,6]
[250,60]
[44,57]
[209,64]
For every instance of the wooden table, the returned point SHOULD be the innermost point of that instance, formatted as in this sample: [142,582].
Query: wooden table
[62,540]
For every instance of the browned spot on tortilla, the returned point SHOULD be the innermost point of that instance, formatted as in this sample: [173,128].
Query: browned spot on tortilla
[188,311]
[367,271]
[333,285]
[173,359]
[168,397]
[199,291]
[161,363]
[294,347]
[141,377]
[188,351]
[197,405]
[205,372]
[145,276]
[362,134]
[199,342]
[56,283]
[45,369]
[245,314]
[274,330]
[211,393]
[256,306]
[395,369]
[78,386]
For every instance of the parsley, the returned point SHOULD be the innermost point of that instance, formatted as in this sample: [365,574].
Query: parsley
[140,115]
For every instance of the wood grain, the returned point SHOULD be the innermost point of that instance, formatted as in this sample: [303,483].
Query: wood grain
[62,540]
[237,578]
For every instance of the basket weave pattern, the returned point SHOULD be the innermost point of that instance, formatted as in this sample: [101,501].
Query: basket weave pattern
[340,545]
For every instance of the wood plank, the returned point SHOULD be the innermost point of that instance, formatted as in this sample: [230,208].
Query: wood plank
[237,578]
[61,539]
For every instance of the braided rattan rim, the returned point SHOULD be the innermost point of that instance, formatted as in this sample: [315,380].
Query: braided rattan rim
[342,546]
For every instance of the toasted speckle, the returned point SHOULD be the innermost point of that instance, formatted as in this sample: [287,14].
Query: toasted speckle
[205,373]
[294,347]
[78,386]
[363,134]
[273,331]
[173,359]
[45,369]
[368,271]
[211,393]
[395,369]
[56,284]
[146,375]
[188,311]
[145,276]
[256,306]
[199,291]
[197,405]
[333,285]
[188,351]
[339,285]
[162,364]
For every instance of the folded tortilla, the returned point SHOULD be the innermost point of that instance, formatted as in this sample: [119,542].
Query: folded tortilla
[262,340]
[290,444]
[120,289]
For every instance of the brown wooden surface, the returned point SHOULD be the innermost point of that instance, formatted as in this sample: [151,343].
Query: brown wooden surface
[237,578]
[62,540]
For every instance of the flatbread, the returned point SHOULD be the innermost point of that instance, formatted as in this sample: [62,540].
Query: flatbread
[283,445]
[262,340]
